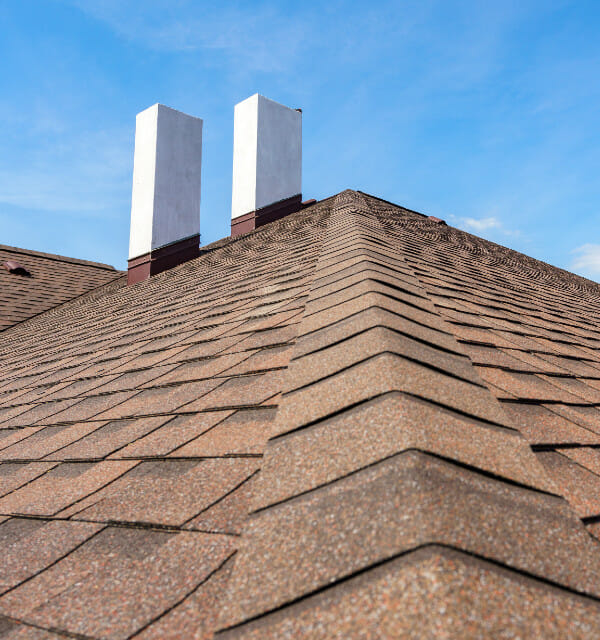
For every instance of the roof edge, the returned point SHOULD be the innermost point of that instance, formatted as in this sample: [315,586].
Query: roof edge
[58,258]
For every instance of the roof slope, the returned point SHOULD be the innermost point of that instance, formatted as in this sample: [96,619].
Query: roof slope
[52,280]
[408,414]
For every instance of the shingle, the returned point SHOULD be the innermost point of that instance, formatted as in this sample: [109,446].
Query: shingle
[175,433]
[244,432]
[41,413]
[74,389]
[329,361]
[578,388]
[526,386]
[61,486]
[9,437]
[578,485]
[572,365]
[268,338]
[372,317]
[380,375]
[495,357]
[160,400]
[29,546]
[196,617]
[199,369]
[238,392]
[167,492]
[13,630]
[229,514]
[47,440]
[89,407]
[388,425]
[118,582]
[134,380]
[431,593]
[14,475]
[588,417]
[342,311]
[481,336]
[400,504]
[587,457]
[107,438]
[265,359]
[368,286]
[543,425]
[52,281]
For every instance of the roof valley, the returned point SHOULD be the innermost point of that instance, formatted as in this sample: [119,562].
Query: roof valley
[392,462]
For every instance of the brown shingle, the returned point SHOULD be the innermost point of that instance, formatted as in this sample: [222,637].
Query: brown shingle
[579,486]
[175,433]
[544,425]
[29,546]
[61,486]
[383,427]
[400,504]
[119,581]
[52,280]
[196,617]
[432,593]
[167,492]
[107,438]
[244,432]
[238,392]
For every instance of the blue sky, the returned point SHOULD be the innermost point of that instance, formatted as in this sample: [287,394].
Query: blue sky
[483,113]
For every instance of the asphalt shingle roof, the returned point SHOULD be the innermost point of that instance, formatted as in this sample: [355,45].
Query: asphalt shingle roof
[51,280]
[353,422]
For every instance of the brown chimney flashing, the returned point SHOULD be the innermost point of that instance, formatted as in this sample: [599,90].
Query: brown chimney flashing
[270,213]
[163,258]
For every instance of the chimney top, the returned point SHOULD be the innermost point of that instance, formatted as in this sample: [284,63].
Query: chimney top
[267,162]
[165,203]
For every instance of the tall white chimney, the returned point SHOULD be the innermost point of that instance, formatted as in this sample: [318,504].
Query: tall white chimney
[267,163]
[165,203]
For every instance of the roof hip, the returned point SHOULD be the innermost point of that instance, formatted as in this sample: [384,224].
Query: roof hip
[388,442]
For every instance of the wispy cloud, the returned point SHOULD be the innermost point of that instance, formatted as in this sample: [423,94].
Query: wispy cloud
[587,260]
[483,225]
[257,37]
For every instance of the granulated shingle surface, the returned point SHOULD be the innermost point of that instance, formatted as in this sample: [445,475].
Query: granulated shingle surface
[347,397]
[432,593]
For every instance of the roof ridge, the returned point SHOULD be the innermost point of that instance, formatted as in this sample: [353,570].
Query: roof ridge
[57,257]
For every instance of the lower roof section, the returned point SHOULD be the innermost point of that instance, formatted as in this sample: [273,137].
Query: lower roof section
[32,282]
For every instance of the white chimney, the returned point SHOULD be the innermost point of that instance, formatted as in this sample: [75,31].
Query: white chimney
[267,162]
[165,203]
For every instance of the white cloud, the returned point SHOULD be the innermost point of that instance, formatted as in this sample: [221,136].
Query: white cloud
[587,259]
[260,37]
[487,225]
[482,224]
